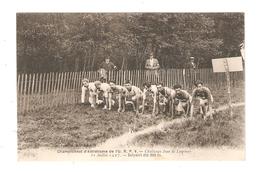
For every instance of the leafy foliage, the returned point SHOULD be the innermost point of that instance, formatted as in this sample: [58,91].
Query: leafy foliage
[80,41]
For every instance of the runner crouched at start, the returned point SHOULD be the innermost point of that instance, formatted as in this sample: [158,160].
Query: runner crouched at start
[205,98]
[89,86]
[134,95]
[150,89]
[169,94]
[104,90]
[120,94]
[182,100]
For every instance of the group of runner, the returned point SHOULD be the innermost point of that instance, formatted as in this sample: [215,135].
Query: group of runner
[175,100]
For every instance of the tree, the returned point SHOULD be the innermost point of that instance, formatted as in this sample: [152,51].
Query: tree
[81,41]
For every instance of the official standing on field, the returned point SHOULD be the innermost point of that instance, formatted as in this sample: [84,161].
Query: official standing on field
[104,67]
[152,67]
[191,71]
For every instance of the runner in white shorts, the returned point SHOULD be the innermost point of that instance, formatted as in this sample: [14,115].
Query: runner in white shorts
[105,89]
[135,94]
[205,98]
[120,93]
[182,100]
[89,86]
[169,95]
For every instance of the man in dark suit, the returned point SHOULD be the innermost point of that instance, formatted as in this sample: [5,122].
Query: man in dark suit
[192,67]
[106,66]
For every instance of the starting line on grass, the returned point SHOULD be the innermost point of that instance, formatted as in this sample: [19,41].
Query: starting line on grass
[127,138]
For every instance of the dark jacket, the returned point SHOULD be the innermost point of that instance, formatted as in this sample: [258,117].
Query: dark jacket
[107,66]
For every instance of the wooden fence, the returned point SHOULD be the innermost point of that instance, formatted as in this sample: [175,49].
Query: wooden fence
[47,90]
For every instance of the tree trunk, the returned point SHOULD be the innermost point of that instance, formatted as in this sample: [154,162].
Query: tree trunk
[76,64]
[85,61]
[123,63]
[93,61]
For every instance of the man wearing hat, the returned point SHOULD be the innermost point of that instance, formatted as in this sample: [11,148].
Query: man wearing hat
[242,50]
[192,69]
[192,64]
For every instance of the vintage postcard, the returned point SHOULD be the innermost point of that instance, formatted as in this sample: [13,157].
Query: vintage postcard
[130,86]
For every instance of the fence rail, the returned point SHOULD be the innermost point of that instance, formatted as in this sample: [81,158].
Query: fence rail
[46,90]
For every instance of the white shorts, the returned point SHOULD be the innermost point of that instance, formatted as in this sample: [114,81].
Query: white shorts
[180,106]
[203,102]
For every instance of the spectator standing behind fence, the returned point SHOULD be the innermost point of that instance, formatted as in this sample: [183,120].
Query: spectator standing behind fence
[192,70]
[106,66]
[152,66]
[242,50]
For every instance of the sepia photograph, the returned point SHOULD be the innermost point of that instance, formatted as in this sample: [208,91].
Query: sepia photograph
[130,86]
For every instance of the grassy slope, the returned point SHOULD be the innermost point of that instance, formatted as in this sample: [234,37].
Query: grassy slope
[76,125]
[80,126]
[222,131]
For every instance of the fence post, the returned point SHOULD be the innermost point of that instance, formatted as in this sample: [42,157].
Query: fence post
[68,87]
[64,87]
[74,86]
[134,76]
[43,90]
[45,95]
[52,87]
[55,77]
[71,86]
[32,92]
[78,85]
[138,76]
[18,93]
[49,88]
[121,77]
[36,92]
[58,89]
[24,92]
[171,74]
[61,95]
[28,93]
[228,87]
[65,100]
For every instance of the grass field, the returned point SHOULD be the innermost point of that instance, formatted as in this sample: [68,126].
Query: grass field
[81,126]
[76,126]
[222,131]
